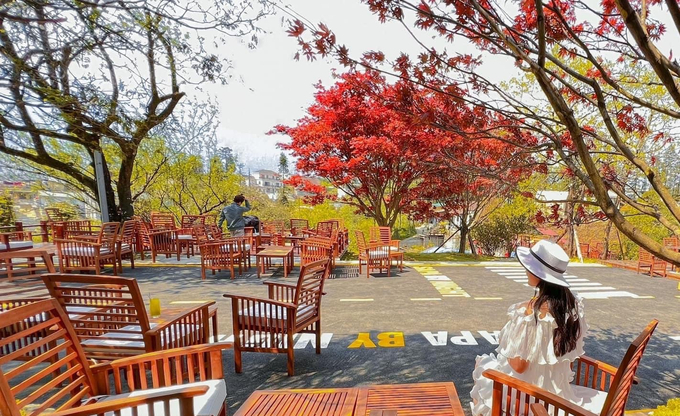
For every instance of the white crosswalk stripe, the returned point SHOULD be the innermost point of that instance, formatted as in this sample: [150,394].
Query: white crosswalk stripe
[584,287]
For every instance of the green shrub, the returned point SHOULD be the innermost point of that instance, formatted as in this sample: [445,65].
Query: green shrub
[672,408]
[6,210]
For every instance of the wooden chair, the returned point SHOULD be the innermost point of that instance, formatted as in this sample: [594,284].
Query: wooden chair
[222,255]
[126,243]
[110,319]
[166,222]
[90,253]
[673,242]
[605,383]
[16,240]
[648,261]
[298,226]
[142,238]
[383,235]
[188,221]
[20,273]
[78,228]
[268,325]
[73,387]
[314,249]
[374,255]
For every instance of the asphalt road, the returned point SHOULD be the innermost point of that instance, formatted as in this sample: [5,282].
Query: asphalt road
[429,323]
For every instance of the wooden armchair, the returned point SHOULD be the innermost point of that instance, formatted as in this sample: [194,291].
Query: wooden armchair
[607,385]
[110,319]
[298,226]
[648,261]
[90,253]
[78,228]
[16,240]
[143,238]
[166,222]
[374,255]
[384,235]
[220,255]
[314,249]
[71,386]
[268,325]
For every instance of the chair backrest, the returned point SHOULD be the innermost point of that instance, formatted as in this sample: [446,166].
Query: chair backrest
[62,383]
[106,312]
[162,221]
[671,242]
[20,273]
[310,289]
[75,228]
[325,228]
[361,241]
[619,389]
[209,218]
[200,233]
[189,220]
[127,232]
[381,234]
[144,228]
[298,225]
[108,235]
[644,255]
[315,249]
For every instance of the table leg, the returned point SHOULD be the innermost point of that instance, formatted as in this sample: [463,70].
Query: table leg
[257,265]
[285,266]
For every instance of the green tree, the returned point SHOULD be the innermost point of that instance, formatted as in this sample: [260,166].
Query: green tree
[6,210]
[106,80]
[284,172]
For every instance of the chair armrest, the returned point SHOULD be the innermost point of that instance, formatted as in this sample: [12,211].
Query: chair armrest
[594,374]
[505,397]
[241,299]
[180,326]
[395,243]
[281,291]
[185,396]
[538,409]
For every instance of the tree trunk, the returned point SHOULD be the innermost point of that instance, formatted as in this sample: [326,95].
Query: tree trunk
[607,233]
[124,186]
[463,238]
[110,194]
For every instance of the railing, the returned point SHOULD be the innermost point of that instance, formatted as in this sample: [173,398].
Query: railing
[19,226]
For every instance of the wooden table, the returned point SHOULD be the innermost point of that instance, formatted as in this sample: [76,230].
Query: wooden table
[436,399]
[271,252]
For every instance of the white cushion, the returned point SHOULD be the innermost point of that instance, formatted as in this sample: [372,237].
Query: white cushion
[83,251]
[20,244]
[185,237]
[262,312]
[208,404]
[134,340]
[593,400]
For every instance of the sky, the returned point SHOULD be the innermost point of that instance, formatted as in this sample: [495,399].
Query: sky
[269,87]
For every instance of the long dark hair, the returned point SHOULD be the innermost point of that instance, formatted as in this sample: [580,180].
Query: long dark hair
[562,306]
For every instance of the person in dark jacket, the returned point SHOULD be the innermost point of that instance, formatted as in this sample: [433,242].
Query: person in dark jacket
[233,215]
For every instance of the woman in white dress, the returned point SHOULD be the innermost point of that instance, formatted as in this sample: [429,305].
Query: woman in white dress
[543,336]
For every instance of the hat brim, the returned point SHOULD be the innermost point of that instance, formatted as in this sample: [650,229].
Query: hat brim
[538,269]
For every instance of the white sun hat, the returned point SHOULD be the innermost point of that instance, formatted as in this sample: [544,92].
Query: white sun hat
[546,260]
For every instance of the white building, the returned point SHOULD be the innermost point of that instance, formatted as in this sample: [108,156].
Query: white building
[267,181]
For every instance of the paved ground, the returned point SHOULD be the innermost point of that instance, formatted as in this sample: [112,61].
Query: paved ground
[429,322]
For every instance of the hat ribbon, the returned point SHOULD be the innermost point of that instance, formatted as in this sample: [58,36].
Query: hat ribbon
[543,262]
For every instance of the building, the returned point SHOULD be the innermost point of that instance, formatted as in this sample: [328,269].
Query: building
[267,181]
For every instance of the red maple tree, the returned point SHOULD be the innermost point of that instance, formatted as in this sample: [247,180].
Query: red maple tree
[602,98]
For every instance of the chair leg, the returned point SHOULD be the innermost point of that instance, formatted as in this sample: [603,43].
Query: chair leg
[238,362]
[132,260]
[318,337]
[291,355]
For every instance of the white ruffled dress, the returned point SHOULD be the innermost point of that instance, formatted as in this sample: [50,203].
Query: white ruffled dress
[532,341]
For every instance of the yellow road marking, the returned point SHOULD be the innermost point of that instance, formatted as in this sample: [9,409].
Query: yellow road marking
[356,300]
[418,299]
[645,297]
